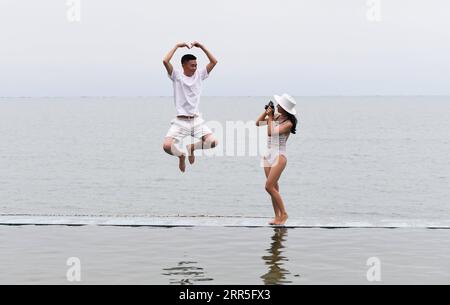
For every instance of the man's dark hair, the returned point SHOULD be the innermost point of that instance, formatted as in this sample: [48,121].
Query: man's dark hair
[187,58]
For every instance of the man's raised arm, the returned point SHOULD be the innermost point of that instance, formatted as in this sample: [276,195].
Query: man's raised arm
[212,59]
[168,58]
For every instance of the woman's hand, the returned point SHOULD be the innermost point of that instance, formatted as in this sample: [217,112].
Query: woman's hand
[269,112]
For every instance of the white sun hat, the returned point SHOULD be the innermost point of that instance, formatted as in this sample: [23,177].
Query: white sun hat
[287,102]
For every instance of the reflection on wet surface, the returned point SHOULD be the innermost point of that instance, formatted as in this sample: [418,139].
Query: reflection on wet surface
[276,274]
[186,273]
[222,256]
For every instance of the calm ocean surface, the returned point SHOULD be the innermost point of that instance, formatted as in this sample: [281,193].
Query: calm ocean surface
[359,160]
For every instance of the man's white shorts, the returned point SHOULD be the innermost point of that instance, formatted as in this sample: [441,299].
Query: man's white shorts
[181,128]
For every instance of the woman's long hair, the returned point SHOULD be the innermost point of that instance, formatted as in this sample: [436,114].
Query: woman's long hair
[294,121]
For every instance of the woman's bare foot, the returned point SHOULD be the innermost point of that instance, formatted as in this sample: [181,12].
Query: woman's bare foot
[282,220]
[191,156]
[274,221]
[182,163]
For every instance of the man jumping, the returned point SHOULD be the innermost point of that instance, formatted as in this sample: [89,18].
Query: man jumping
[187,86]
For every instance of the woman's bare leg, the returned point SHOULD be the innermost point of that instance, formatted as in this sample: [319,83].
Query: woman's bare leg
[275,208]
[272,180]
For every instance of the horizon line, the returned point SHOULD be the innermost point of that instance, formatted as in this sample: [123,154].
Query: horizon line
[216,96]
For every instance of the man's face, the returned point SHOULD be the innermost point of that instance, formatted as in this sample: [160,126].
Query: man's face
[190,67]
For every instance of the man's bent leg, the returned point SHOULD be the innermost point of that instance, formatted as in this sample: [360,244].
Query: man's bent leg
[208,141]
[170,147]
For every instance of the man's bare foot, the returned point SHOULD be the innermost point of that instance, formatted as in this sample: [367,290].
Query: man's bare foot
[191,156]
[182,163]
[282,220]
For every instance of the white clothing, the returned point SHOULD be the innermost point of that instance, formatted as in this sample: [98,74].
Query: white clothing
[187,91]
[181,128]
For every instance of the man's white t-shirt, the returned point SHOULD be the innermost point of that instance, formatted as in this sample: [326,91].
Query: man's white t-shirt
[187,91]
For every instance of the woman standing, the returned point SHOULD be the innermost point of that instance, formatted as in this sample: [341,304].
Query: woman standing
[279,127]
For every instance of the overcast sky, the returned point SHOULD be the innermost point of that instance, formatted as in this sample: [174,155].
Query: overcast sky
[303,47]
